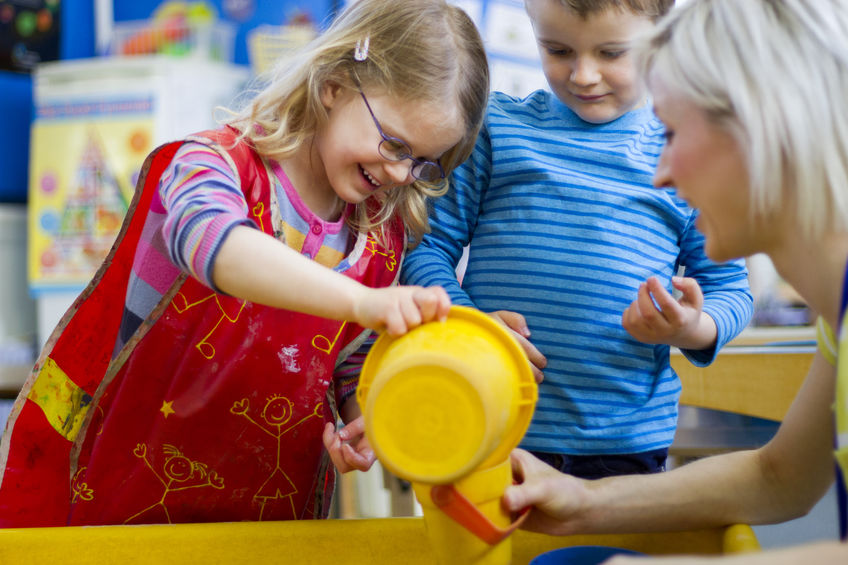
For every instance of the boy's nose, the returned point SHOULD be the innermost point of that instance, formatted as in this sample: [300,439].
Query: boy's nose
[585,72]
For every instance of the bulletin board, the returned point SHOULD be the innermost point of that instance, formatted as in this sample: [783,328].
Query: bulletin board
[514,62]
[245,14]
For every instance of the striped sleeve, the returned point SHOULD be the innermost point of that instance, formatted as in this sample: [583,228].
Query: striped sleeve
[346,375]
[203,201]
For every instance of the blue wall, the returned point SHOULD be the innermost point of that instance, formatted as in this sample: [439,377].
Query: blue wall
[77,41]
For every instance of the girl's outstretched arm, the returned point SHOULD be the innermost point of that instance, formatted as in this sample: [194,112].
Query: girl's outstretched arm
[254,266]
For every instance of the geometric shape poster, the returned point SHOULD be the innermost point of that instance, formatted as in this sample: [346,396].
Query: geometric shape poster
[84,160]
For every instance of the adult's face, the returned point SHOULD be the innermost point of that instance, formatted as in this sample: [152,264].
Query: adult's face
[706,166]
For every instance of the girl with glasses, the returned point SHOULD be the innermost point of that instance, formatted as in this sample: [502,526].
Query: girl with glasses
[195,377]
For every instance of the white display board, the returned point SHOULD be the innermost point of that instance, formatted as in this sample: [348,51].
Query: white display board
[514,62]
[513,54]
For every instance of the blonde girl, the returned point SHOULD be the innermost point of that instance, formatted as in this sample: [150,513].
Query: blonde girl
[194,378]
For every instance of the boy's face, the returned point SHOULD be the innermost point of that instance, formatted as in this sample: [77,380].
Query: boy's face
[588,63]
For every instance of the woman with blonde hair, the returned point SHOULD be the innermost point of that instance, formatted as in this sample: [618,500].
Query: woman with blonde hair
[752,94]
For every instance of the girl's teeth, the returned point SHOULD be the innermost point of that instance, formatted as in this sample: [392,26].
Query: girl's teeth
[370,178]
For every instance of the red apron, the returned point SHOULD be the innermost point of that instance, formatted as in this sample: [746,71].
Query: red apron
[213,411]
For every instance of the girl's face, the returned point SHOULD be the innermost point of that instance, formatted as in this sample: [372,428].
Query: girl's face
[706,166]
[347,144]
[588,63]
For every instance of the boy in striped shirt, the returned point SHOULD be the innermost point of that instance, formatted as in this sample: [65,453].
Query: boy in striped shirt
[567,237]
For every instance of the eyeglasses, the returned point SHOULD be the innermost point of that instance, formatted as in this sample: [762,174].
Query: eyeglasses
[395,149]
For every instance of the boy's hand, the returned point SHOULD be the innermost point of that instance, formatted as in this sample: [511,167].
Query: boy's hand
[348,447]
[656,317]
[398,309]
[517,325]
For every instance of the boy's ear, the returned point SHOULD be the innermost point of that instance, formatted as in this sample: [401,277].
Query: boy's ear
[330,92]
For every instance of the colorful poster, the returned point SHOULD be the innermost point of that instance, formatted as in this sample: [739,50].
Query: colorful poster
[84,160]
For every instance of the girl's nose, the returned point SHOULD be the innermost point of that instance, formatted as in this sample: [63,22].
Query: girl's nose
[399,171]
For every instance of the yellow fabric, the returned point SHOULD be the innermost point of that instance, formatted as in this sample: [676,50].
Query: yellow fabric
[842,400]
[326,256]
[62,401]
[826,341]
[832,351]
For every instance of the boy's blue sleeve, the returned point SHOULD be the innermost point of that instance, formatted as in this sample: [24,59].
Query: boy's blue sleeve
[727,296]
[453,218]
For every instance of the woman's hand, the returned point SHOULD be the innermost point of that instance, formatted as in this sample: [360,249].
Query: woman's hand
[556,498]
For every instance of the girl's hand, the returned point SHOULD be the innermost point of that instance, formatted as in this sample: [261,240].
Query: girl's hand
[556,498]
[398,309]
[656,317]
[517,325]
[348,447]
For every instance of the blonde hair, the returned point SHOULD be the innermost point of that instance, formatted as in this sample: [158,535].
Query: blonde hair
[775,75]
[418,50]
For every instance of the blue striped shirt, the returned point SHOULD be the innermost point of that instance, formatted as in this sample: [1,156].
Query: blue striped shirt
[563,224]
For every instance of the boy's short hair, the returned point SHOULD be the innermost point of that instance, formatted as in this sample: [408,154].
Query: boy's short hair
[654,9]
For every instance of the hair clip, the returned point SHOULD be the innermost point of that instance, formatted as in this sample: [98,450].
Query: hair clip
[360,51]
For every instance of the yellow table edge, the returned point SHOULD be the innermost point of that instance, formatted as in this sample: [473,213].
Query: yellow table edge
[336,542]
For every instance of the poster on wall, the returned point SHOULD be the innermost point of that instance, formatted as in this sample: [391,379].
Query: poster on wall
[85,158]
[29,33]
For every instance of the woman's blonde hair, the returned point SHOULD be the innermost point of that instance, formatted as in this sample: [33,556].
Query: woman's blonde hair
[418,50]
[773,73]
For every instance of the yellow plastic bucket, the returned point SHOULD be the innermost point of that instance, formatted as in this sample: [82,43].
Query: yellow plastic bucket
[455,544]
[446,398]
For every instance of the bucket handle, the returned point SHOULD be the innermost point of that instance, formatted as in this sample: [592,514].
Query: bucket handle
[462,511]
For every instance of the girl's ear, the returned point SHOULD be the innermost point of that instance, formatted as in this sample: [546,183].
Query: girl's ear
[330,92]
